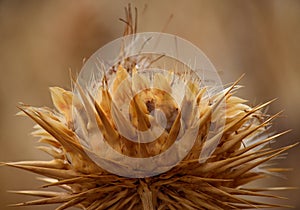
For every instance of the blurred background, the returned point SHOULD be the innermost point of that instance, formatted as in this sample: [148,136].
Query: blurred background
[41,40]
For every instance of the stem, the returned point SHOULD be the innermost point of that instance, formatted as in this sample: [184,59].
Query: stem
[146,196]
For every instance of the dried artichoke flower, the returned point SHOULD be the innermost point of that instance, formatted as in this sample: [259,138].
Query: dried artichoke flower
[133,136]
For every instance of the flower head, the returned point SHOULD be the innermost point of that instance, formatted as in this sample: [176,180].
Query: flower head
[132,135]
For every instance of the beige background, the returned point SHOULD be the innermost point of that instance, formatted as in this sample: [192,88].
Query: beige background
[41,40]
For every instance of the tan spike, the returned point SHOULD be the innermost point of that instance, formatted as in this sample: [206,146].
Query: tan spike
[46,194]
[109,133]
[251,166]
[49,172]
[141,120]
[62,100]
[246,149]
[55,154]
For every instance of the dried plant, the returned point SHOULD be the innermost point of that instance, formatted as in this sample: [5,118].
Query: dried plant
[218,182]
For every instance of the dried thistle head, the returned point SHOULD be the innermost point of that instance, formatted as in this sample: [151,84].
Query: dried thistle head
[122,141]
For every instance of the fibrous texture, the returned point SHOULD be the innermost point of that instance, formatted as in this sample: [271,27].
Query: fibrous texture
[214,184]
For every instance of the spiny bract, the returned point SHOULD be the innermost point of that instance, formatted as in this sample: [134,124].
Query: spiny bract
[216,183]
